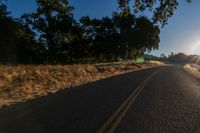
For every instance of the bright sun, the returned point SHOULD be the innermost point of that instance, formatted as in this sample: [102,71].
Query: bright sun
[196,49]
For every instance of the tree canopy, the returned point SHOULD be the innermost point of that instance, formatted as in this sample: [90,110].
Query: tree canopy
[162,9]
[51,34]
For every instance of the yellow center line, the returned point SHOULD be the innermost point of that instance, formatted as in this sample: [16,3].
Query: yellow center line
[112,123]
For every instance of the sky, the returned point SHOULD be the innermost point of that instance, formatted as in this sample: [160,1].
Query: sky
[182,34]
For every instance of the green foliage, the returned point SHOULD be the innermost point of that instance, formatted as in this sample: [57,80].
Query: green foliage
[162,9]
[16,43]
[53,22]
[3,10]
[51,35]
[137,33]
[124,7]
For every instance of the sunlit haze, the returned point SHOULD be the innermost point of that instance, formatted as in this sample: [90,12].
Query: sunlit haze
[195,49]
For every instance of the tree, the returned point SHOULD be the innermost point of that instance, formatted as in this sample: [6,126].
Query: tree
[179,58]
[104,29]
[53,23]
[147,35]
[137,34]
[163,56]
[16,39]
[162,9]
[100,35]
[3,10]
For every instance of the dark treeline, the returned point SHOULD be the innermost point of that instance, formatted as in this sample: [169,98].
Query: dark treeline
[183,58]
[51,35]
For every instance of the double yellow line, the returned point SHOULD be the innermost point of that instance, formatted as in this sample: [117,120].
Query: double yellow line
[112,123]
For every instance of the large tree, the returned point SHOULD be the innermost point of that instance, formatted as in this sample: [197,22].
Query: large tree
[52,22]
[3,10]
[146,35]
[16,43]
[162,9]
[100,35]
[137,34]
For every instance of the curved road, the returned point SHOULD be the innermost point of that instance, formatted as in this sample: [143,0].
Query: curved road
[157,100]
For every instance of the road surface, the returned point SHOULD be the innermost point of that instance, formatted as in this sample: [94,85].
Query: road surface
[157,100]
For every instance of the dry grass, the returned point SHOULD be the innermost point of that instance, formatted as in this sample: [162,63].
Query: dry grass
[193,69]
[23,82]
[156,62]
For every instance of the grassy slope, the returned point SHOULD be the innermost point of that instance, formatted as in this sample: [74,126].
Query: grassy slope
[23,82]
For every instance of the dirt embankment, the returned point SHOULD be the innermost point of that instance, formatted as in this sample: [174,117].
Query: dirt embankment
[23,82]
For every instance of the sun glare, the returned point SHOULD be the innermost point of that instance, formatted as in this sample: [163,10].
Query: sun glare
[196,49]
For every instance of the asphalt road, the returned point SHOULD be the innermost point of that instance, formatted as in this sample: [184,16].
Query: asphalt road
[157,100]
